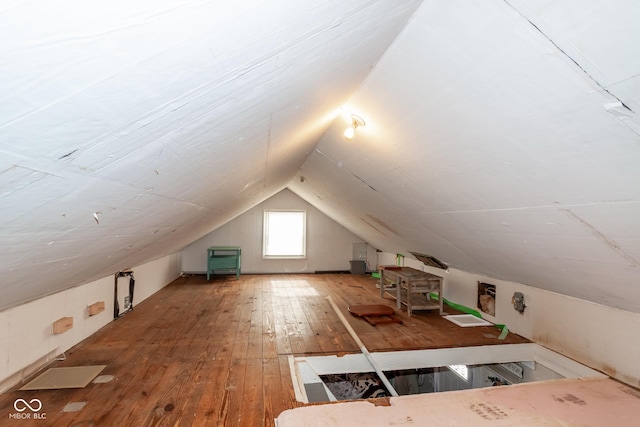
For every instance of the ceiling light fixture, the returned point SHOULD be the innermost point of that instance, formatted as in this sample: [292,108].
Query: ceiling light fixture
[351,130]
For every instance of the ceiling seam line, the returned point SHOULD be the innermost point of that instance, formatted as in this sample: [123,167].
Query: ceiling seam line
[584,71]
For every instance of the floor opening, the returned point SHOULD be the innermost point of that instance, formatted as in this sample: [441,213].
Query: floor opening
[333,378]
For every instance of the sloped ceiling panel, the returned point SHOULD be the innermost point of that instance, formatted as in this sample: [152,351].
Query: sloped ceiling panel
[130,129]
[502,138]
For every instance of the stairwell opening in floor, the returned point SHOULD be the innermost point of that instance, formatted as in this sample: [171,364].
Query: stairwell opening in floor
[354,376]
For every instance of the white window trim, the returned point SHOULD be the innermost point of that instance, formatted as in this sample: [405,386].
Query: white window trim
[265,236]
[462,371]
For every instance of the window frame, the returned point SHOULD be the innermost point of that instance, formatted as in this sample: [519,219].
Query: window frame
[266,230]
[461,371]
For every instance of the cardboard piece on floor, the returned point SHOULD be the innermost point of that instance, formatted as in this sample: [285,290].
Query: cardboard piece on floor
[467,320]
[71,377]
[74,406]
[103,379]
[592,402]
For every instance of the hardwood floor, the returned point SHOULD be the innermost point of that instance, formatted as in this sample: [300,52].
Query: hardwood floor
[215,353]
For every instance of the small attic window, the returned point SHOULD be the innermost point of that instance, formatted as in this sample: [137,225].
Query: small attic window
[284,234]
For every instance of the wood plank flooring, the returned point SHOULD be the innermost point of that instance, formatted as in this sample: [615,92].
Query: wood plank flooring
[215,353]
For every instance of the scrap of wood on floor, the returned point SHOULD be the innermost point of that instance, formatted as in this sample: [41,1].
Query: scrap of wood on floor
[375,314]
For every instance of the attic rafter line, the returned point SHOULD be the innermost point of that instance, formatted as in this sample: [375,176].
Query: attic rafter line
[266,157]
[523,208]
[26,167]
[634,76]
[346,170]
[52,168]
[603,238]
[586,73]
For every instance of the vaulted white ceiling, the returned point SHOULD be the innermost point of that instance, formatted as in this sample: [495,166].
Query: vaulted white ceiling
[502,136]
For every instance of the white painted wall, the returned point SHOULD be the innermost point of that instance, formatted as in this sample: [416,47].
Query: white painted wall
[329,245]
[598,336]
[26,341]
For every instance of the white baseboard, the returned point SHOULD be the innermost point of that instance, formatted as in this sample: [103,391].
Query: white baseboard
[28,371]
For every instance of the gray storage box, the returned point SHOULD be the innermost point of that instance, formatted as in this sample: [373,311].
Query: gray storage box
[358,267]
